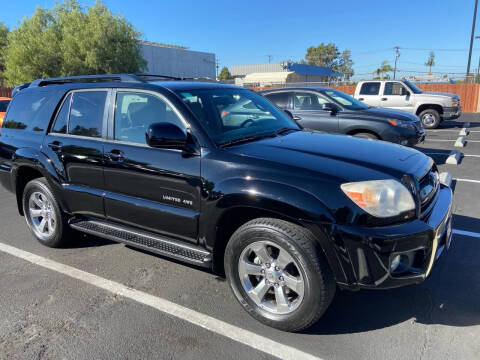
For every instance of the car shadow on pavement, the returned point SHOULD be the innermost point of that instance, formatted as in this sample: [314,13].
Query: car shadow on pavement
[448,297]
[439,155]
[81,240]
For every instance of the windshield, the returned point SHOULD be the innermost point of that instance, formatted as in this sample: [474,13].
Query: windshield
[345,100]
[413,87]
[230,115]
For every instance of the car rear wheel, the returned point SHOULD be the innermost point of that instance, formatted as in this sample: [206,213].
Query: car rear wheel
[44,217]
[365,135]
[278,274]
[430,118]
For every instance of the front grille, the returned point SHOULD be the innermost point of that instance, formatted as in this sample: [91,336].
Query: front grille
[429,186]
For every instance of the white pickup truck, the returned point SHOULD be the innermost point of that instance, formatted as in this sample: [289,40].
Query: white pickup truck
[430,107]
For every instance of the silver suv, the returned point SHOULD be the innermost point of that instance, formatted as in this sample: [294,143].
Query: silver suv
[431,107]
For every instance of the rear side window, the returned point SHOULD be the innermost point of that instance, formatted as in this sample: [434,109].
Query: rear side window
[370,88]
[279,99]
[62,117]
[30,110]
[86,114]
[4,105]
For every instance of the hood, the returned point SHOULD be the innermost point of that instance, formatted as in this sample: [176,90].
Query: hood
[345,158]
[436,93]
[382,113]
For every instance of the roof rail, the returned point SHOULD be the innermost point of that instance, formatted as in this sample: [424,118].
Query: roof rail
[88,78]
[154,77]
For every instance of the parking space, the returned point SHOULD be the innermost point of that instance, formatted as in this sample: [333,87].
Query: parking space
[47,312]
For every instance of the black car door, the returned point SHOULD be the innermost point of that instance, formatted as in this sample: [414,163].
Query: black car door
[155,189]
[308,112]
[74,144]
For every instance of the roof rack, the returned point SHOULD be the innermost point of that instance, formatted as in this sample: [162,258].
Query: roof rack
[88,78]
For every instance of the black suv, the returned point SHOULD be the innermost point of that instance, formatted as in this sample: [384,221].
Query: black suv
[332,111]
[288,215]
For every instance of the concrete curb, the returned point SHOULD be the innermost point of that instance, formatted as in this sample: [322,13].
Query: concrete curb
[464,132]
[460,142]
[454,157]
[446,178]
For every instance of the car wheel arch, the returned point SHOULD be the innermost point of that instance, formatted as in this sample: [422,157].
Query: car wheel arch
[355,131]
[423,107]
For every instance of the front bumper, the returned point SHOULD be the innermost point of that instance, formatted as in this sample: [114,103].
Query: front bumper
[368,252]
[403,136]
[451,113]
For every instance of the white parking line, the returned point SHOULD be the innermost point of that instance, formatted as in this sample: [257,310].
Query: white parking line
[468,180]
[466,233]
[219,327]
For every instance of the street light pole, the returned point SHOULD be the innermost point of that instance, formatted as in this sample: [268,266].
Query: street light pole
[471,38]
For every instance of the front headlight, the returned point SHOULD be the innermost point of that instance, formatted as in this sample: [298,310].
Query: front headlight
[402,123]
[380,198]
[454,102]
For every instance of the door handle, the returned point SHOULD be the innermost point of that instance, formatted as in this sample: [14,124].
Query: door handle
[55,146]
[296,118]
[116,155]
[361,99]
[384,99]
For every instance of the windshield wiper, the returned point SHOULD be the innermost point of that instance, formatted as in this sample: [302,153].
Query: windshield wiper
[284,130]
[246,139]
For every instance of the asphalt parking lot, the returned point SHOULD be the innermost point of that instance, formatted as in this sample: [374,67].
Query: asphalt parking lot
[115,308]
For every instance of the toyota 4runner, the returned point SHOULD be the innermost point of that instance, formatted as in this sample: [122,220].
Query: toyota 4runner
[288,215]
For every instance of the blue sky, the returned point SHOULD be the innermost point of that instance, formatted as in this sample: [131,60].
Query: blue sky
[245,32]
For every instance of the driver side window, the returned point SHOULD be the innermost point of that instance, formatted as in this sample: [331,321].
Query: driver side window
[136,111]
[308,101]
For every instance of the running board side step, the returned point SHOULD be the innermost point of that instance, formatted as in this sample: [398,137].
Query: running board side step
[144,240]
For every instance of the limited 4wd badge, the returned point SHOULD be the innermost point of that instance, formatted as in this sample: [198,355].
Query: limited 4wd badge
[177,200]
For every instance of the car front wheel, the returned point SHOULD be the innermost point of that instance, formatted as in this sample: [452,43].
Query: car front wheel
[278,274]
[430,118]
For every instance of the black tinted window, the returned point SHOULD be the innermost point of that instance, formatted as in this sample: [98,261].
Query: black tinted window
[30,110]
[4,105]
[394,88]
[86,114]
[370,88]
[279,99]
[62,117]
[135,112]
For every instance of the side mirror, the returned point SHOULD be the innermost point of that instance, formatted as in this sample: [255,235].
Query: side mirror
[330,107]
[166,136]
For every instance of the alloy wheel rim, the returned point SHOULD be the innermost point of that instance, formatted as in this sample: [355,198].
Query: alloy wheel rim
[42,215]
[271,277]
[428,119]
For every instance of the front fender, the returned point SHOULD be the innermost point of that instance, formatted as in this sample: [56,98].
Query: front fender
[286,201]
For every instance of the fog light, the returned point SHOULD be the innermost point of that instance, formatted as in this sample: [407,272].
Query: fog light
[395,263]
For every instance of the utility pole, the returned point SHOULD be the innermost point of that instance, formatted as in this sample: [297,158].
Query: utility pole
[217,65]
[397,55]
[269,58]
[471,38]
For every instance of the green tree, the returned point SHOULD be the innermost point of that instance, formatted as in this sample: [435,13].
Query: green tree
[71,40]
[3,46]
[225,74]
[383,70]
[430,62]
[329,56]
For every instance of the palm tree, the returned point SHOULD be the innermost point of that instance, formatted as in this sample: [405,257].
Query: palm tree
[383,69]
[430,62]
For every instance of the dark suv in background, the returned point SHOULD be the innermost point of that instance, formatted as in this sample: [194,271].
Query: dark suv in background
[287,214]
[332,111]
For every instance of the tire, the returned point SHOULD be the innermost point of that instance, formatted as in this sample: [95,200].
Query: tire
[314,283]
[365,135]
[430,118]
[39,204]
